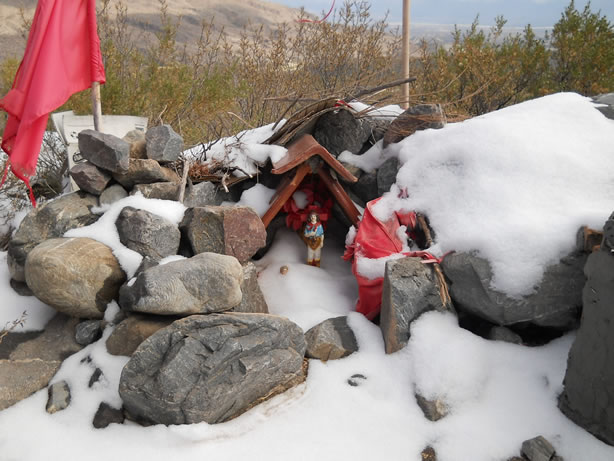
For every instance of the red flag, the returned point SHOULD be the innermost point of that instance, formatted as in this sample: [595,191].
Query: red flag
[62,57]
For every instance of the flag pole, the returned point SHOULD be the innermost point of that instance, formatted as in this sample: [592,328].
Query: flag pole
[405,52]
[96,106]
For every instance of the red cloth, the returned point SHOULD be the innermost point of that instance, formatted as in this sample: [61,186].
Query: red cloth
[377,239]
[62,57]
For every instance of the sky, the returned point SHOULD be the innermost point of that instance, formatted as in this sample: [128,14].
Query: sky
[510,177]
[538,13]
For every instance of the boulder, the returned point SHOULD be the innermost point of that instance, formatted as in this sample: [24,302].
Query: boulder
[49,220]
[207,282]
[163,144]
[203,194]
[104,150]
[138,145]
[88,331]
[588,395]
[106,415]
[133,330]
[416,118]
[89,177]
[235,231]
[411,288]
[555,302]
[253,301]
[366,188]
[76,276]
[58,397]
[339,131]
[212,368]
[112,194]
[28,361]
[332,339]
[147,233]
[387,175]
[158,190]
[145,171]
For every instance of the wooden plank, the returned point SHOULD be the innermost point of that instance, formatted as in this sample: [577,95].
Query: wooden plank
[285,194]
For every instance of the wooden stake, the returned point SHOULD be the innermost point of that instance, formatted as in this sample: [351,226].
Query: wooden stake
[405,52]
[96,106]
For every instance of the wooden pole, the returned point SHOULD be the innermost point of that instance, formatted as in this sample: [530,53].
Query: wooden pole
[405,65]
[96,106]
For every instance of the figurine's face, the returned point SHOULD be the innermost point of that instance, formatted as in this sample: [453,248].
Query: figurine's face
[313,219]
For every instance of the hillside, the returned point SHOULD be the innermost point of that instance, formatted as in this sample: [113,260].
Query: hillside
[143,17]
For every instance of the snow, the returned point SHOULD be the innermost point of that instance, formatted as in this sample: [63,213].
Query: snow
[518,182]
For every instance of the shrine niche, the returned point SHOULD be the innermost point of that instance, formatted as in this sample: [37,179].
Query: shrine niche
[309,167]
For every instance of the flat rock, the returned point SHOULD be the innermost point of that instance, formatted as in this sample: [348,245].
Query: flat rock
[58,397]
[88,331]
[145,171]
[49,220]
[28,361]
[555,302]
[112,194]
[133,330]
[89,177]
[212,368]
[106,415]
[76,276]
[104,150]
[588,395]
[163,144]
[253,301]
[332,339]
[205,283]
[159,190]
[537,449]
[147,233]
[235,231]
[411,288]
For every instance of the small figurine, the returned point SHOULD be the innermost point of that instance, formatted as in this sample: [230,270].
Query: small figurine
[313,236]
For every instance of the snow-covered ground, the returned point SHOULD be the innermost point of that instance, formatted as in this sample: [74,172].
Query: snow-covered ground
[517,182]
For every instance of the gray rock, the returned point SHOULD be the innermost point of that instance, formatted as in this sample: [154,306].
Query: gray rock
[416,118]
[148,234]
[58,397]
[505,335]
[21,288]
[104,150]
[588,396]
[387,175]
[332,339]
[428,454]
[145,171]
[163,144]
[606,102]
[207,282]
[555,302]
[410,289]
[433,410]
[235,231]
[339,131]
[253,301]
[106,415]
[49,220]
[28,361]
[138,145]
[203,194]
[76,276]
[366,187]
[159,190]
[537,449]
[133,330]
[88,331]
[89,177]
[112,194]
[212,368]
